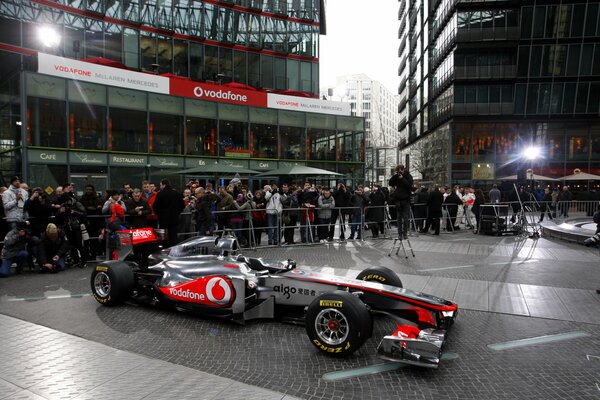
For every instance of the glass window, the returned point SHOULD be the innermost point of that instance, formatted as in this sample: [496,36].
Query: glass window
[523,63]
[148,51]
[557,95]
[532,97]
[254,69]
[165,133]
[293,74]
[233,138]
[196,64]
[87,126]
[211,62]
[240,70]
[233,112]
[293,144]
[565,20]
[555,143]
[180,58]
[582,97]
[569,98]
[461,142]
[560,56]
[507,141]
[596,62]
[225,63]
[292,118]
[127,130]
[539,21]
[594,101]
[552,21]
[280,77]
[94,38]
[526,22]
[240,28]
[470,94]
[165,55]
[47,122]
[544,100]
[305,78]
[578,20]
[536,54]
[573,59]
[322,144]
[482,94]
[521,90]
[483,142]
[591,19]
[547,62]
[577,144]
[74,36]
[201,136]
[587,54]
[263,141]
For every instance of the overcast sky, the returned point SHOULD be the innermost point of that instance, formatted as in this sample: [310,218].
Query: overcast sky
[362,37]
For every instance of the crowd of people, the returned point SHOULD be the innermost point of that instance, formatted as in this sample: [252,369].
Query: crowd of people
[49,231]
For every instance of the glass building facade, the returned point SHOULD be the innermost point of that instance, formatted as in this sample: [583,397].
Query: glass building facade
[493,78]
[55,129]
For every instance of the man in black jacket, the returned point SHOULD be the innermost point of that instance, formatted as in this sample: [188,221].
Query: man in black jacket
[402,181]
[167,206]
[434,210]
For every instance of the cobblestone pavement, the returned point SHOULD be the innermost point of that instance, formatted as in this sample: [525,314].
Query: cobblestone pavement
[278,357]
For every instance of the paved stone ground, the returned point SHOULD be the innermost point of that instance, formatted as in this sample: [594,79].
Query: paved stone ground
[278,357]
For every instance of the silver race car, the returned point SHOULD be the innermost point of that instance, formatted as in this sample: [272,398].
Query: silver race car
[207,275]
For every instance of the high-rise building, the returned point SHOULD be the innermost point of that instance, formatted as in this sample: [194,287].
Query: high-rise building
[483,81]
[368,98]
[109,91]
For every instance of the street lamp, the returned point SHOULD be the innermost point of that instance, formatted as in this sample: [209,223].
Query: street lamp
[531,153]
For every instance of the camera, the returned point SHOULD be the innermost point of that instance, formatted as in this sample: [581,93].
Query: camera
[592,241]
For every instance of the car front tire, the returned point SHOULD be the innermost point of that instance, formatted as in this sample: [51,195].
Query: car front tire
[112,283]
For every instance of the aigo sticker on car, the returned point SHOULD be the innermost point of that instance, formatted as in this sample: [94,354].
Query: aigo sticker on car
[216,291]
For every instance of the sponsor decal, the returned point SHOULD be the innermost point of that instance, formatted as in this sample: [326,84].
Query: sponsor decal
[209,290]
[328,349]
[374,277]
[331,303]
[101,268]
[138,235]
[283,102]
[287,291]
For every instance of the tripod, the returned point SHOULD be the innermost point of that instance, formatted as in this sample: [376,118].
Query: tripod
[522,217]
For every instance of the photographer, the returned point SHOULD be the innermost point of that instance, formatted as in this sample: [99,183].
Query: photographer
[39,211]
[52,249]
[15,248]
[71,219]
[402,181]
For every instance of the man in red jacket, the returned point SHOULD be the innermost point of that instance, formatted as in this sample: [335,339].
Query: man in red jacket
[150,196]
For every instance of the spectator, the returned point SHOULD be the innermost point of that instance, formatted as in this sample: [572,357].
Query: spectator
[402,181]
[259,216]
[13,200]
[358,202]
[93,208]
[546,205]
[564,201]
[138,210]
[307,199]
[421,199]
[479,201]
[3,224]
[495,195]
[53,249]
[167,206]
[204,218]
[70,218]
[554,204]
[326,203]
[452,203]
[468,200]
[55,199]
[274,209]
[290,212]
[113,198]
[376,212]
[224,205]
[434,210]
[128,191]
[150,196]
[244,205]
[341,196]
[15,248]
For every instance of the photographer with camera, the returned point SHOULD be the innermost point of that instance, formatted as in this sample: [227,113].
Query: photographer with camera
[15,248]
[52,250]
[402,181]
[39,211]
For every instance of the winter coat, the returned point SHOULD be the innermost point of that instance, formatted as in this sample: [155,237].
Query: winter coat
[403,184]
[13,208]
[49,248]
[135,219]
[274,203]
[326,204]
[167,206]
[375,212]
[434,204]
[13,244]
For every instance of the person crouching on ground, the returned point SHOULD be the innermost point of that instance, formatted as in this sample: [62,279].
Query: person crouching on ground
[15,248]
[52,249]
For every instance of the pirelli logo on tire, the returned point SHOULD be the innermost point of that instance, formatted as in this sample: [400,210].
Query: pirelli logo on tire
[101,268]
[331,303]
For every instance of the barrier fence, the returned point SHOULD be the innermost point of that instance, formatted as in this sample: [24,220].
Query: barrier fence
[304,226]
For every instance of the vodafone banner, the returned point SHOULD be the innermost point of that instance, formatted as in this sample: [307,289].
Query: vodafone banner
[94,73]
[307,104]
[223,94]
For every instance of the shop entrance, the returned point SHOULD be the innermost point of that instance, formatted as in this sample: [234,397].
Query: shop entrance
[100,182]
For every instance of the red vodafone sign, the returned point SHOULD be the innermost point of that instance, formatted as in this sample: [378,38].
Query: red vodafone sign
[220,93]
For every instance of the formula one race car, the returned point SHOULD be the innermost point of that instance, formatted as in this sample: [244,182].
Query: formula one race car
[206,275]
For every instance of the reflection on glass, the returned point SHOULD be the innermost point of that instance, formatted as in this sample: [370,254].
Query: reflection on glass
[46,122]
[165,133]
[233,137]
[263,140]
[127,130]
[201,136]
[87,126]
[293,145]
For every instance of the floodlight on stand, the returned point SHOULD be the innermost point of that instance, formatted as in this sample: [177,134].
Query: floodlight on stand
[531,153]
[48,36]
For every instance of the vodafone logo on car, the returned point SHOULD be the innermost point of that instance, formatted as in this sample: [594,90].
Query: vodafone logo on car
[215,291]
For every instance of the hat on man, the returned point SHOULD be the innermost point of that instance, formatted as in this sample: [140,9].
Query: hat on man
[22,225]
[14,178]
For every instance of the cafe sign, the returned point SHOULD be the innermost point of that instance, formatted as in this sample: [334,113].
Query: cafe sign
[47,156]
[263,165]
[199,162]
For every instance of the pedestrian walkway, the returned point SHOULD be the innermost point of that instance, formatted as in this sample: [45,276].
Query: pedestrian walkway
[39,363]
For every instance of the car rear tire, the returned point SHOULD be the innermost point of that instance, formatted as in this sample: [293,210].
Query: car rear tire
[112,283]
[382,275]
[338,323]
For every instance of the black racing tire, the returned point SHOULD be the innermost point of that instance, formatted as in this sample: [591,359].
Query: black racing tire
[112,282]
[338,323]
[380,274]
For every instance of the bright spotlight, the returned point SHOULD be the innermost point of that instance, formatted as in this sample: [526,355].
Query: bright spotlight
[48,36]
[531,153]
